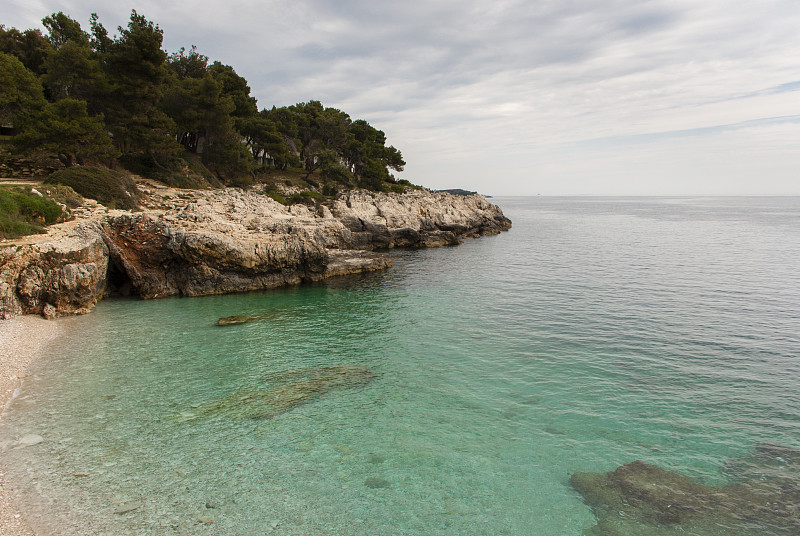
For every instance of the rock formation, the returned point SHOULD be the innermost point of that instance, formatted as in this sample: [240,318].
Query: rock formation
[763,498]
[304,386]
[201,242]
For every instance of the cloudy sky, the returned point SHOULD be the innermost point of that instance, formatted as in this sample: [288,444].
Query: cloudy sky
[508,97]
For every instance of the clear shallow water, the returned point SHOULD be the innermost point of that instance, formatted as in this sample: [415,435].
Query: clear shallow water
[596,332]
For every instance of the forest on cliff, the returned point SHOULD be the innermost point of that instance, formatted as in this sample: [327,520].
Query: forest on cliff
[87,98]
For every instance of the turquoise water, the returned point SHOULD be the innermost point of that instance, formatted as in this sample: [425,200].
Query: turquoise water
[596,332]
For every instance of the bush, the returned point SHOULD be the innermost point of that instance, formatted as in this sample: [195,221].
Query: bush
[279,198]
[24,213]
[306,197]
[112,188]
[63,194]
[172,170]
[330,190]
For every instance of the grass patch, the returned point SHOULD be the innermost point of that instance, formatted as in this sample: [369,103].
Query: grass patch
[24,213]
[111,188]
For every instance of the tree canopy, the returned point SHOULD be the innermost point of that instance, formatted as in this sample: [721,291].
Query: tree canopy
[89,95]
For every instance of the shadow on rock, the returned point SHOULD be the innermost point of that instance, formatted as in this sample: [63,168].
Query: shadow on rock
[643,499]
[305,386]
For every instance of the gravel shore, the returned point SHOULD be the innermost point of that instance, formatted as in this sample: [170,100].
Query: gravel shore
[22,340]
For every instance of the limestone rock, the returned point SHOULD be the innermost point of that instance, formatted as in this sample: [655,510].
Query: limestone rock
[201,242]
[416,219]
[66,271]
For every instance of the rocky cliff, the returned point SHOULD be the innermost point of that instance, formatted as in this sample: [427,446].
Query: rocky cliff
[200,242]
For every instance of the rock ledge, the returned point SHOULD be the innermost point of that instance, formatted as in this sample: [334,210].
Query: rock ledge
[201,242]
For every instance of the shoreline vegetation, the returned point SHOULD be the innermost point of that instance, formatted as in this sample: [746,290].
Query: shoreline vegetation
[85,109]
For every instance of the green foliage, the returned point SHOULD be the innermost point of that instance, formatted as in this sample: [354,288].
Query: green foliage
[135,68]
[63,29]
[62,194]
[192,65]
[24,213]
[65,129]
[29,47]
[279,198]
[112,188]
[125,91]
[20,90]
[305,197]
[230,159]
[235,87]
[175,171]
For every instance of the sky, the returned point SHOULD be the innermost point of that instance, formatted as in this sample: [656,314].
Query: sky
[507,97]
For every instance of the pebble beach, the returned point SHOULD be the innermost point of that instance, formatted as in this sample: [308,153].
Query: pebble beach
[22,340]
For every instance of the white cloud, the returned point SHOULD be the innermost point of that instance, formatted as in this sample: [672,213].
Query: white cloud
[518,96]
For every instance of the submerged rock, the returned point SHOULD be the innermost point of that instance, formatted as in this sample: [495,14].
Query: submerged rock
[377,483]
[639,498]
[124,508]
[29,440]
[237,319]
[315,382]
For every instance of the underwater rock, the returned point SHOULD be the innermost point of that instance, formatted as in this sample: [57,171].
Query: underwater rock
[639,498]
[124,508]
[238,319]
[377,483]
[309,384]
[29,440]
[768,460]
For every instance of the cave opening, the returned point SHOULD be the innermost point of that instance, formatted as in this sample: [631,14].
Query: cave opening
[118,281]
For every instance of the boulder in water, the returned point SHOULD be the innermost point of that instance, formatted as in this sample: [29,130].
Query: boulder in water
[640,498]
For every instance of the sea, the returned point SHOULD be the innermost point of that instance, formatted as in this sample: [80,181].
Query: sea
[453,394]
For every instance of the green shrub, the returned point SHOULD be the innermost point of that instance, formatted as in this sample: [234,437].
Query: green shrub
[24,213]
[62,194]
[241,181]
[330,190]
[279,198]
[112,188]
[172,170]
[306,197]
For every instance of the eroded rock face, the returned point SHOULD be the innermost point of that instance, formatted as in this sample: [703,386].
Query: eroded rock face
[64,275]
[416,219]
[201,242]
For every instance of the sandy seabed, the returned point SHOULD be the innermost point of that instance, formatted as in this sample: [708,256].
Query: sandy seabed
[22,340]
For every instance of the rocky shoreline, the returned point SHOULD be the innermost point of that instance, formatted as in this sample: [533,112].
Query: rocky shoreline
[202,242]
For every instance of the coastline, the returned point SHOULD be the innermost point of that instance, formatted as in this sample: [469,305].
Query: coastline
[22,340]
